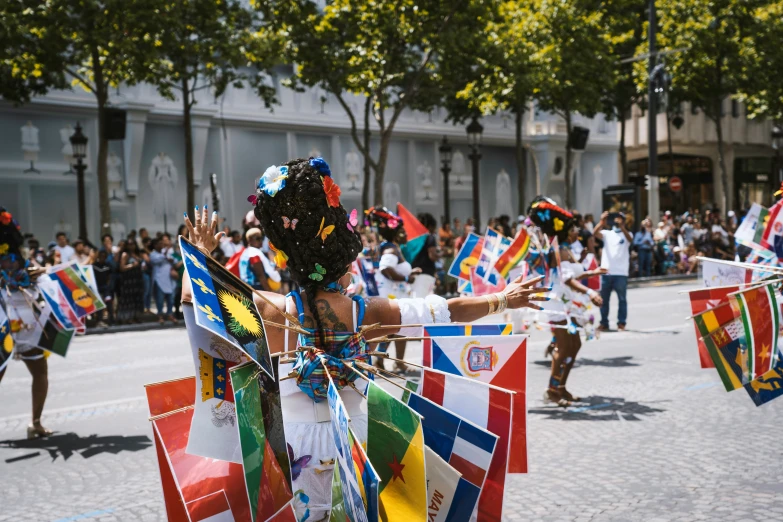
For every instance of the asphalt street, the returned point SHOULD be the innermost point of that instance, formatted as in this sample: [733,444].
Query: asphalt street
[656,438]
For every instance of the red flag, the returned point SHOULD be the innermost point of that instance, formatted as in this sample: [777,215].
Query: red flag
[591,263]
[482,288]
[413,227]
[701,301]
[759,311]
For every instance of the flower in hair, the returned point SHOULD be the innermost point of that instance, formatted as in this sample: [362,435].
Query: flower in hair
[5,218]
[252,199]
[281,258]
[321,166]
[273,180]
[332,191]
[392,223]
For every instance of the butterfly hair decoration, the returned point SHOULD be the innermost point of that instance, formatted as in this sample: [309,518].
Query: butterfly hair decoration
[319,273]
[324,231]
[543,216]
[252,199]
[297,465]
[352,221]
[290,223]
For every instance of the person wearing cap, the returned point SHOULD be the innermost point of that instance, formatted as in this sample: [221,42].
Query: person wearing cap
[615,258]
[255,268]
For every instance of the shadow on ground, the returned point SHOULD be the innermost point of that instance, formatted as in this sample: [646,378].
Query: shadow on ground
[609,362]
[599,408]
[65,445]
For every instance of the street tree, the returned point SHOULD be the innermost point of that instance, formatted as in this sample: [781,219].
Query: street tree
[494,72]
[95,45]
[387,53]
[705,63]
[761,88]
[574,61]
[204,45]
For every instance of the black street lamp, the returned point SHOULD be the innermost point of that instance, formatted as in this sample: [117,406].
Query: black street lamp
[777,144]
[475,129]
[445,168]
[79,144]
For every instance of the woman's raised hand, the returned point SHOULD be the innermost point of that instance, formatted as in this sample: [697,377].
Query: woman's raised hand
[202,234]
[520,294]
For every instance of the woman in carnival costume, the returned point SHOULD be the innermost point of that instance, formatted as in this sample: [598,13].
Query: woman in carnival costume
[298,206]
[17,294]
[567,308]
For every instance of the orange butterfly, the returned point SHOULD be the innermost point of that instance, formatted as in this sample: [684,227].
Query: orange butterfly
[332,191]
[324,231]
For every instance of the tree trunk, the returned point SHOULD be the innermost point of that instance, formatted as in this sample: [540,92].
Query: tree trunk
[102,94]
[568,160]
[190,187]
[380,168]
[367,168]
[724,176]
[520,153]
[623,152]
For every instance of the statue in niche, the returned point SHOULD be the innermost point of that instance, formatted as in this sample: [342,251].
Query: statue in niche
[353,169]
[503,205]
[458,168]
[30,145]
[118,230]
[391,194]
[162,176]
[114,173]
[424,173]
[67,150]
[314,153]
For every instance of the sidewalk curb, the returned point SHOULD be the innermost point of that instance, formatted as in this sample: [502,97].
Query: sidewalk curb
[142,327]
[641,282]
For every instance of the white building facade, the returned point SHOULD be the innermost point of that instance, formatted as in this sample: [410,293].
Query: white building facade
[237,138]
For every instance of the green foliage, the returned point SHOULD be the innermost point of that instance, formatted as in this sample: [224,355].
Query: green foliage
[761,88]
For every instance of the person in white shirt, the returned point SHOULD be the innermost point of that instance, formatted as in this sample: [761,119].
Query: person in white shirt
[163,284]
[232,245]
[255,268]
[616,260]
[66,251]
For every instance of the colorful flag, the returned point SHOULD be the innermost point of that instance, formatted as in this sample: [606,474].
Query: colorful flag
[55,296]
[464,446]
[484,288]
[6,340]
[761,317]
[711,320]
[456,330]
[395,445]
[199,477]
[88,275]
[467,257]
[514,254]
[442,487]
[224,305]
[416,232]
[165,397]
[497,360]
[721,274]
[701,301]
[267,483]
[214,432]
[751,230]
[729,351]
[82,299]
[488,407]
[494,245]
[367,271]
[591,263]
[338,513]
[358,480]
[766,387]
[211,508]
[286,514]
[48,334]
[774,226]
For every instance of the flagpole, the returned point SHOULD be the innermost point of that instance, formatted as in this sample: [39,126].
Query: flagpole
[749,266]
[375,372]
[169,413]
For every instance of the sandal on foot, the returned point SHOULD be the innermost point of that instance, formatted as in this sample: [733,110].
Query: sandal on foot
[35,432]
[567,395]
[552,396]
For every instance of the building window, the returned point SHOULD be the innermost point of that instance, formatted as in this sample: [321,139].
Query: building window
[722,108]
[735,111]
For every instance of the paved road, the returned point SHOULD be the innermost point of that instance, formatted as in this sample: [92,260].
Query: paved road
[658,438]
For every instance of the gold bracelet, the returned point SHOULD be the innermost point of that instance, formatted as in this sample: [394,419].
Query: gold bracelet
[491,306]
[502,302]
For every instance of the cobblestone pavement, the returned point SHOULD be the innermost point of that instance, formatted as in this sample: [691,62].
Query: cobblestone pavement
[656,438]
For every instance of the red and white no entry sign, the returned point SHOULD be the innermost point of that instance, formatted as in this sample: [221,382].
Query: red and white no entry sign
[675,184]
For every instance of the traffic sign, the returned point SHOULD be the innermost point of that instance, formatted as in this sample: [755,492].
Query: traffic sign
[675,184]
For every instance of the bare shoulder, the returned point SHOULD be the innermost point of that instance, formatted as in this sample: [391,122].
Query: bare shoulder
[380,310]
[270,310]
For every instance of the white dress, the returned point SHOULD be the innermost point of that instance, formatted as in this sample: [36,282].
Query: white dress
[387,287]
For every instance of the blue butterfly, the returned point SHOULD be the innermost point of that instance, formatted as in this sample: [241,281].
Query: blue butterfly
[297,465]
[543,216]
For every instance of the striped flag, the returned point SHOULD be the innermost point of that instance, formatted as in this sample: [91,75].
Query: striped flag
[774,227]
[465,447]
[711,320]
[514,254]
[729,352]
[761,317]
[495,244]
[82,299]
[458,330]
[701,301]
[442,487]
[467,257]
[488,407]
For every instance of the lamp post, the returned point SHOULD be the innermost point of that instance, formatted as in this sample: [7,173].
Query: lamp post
[79,144]
[777,144]
[474,130]
[653,201]
[445,168]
